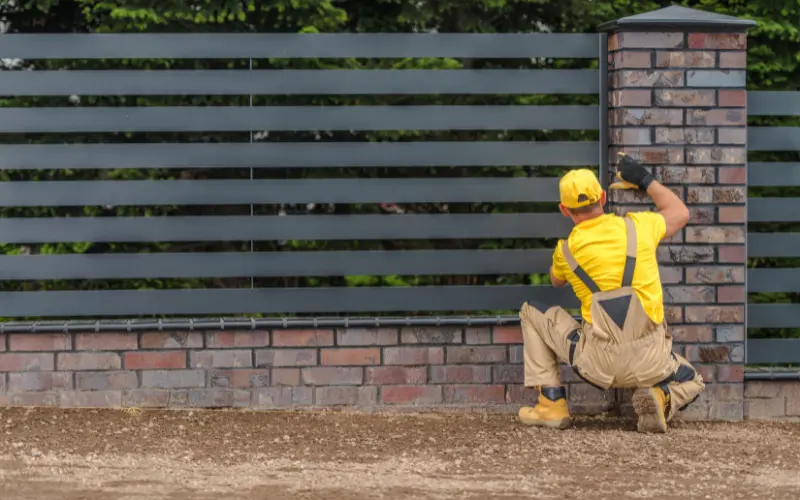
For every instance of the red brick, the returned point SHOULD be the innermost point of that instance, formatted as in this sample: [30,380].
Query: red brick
[478,336]
[725,41]
[716,156]
[173,379]
[732,215]
[732,175]
[517,394]
[692,333]
[685,254]
[714,314]
[39,381]
[689,294]
[644,117]
[351,356]
[239,378]
[172,340]
[13,362]
[461,374]
[631,59]
[731,294]
[631,136]
[255,338]
[736,60]
[731,254]
[431,335]
[705,371]
[715,274]
[489,354]
[283,396]
[89,361]
[413,356]
[329,375]
[685,98]
[671,274]
[716,117]
[33,399]
[650,155]
[411,394]
[648,40]
[733,98]
[331,396]
[677,135]
[715,234]
[397,375]
[686,59]
[2,343]
[730,373]
[105,341]
[732,135]
[673,314]
[286,376]
[507,334]
[701,215]
[218,398]
[226,358]
[101,381]
[474,394]
[508,374]
[631,98]
[286,357]
[154,360]
[647,78]
[302,338]
[90,399]
[146,398]
[367,336]
[40,342]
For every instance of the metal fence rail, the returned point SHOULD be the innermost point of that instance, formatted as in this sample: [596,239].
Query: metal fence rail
[277,156]
[773,245]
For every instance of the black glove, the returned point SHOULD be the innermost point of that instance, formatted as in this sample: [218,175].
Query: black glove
[630,171]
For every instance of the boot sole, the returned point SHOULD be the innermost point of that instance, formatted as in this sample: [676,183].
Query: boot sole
[651,419]
[562,424]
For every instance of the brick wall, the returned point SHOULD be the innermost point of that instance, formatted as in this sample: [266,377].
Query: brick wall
[275,369]
[677,101]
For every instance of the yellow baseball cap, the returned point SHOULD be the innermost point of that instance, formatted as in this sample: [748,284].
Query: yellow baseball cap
[579,188]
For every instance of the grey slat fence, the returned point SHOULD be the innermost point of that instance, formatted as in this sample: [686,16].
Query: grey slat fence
[277,156]
[780,242]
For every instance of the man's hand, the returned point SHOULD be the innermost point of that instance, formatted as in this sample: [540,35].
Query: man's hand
[631,174]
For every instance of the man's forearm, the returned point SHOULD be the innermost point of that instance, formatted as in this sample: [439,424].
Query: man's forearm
[675,212]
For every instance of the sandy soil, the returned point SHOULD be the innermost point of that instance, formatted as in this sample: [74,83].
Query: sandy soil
[49,454]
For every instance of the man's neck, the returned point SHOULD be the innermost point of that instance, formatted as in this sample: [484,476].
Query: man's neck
[585,217]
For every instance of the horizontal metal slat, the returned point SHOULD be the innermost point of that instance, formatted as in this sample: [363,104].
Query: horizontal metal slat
[279,300]
[773,315]
[298,82]
[293,227]
[773,174]
[773,139]
[245,192]
[298,155]
[773,351]
[295,45]
[774,245]
[773,103]
[230,118]
[773,209]
[773,280]
[276,264]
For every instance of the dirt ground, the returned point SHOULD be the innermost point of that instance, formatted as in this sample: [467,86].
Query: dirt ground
[49,454]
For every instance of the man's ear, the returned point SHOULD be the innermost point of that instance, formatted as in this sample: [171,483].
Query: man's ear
[603,198]
[564,210]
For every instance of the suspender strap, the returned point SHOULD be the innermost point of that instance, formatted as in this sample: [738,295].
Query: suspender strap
[630,260]
[577,269]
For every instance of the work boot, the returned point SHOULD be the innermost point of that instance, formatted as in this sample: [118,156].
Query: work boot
[651,405]
[550,410]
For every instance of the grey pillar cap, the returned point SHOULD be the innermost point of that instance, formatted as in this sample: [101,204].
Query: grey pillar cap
[677,18]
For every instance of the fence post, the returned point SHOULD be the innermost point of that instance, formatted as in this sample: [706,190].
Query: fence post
[677,101]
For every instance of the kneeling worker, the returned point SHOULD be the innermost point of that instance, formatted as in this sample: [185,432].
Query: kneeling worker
[623,341]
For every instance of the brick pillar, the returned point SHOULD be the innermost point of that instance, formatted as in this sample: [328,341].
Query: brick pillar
[678,103]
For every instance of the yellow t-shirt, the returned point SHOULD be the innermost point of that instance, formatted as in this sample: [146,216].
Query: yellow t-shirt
[599,245]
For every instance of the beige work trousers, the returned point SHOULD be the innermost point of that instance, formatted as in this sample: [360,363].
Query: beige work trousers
[546,342]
